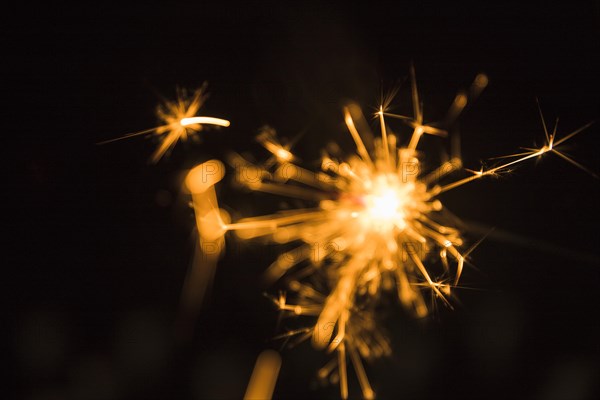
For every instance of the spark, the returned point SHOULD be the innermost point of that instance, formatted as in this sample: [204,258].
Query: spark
[377,227]
[179,122]
[550,146]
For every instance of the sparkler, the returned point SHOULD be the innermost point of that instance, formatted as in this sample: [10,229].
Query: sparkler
[180,122]
[376,227]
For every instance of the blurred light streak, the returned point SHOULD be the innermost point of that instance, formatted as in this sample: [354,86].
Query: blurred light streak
[200,182]
[264,377]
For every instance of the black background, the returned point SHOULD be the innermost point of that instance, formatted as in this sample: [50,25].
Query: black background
[100,241]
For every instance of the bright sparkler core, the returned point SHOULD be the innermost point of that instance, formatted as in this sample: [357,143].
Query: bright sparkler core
[387,203]
[384,205]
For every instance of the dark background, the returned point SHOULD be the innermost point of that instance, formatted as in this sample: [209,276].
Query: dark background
[100,241]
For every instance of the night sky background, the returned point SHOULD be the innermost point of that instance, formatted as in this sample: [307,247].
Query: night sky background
[99,241]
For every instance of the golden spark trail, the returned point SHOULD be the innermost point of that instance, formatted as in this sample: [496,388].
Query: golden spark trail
[204,121]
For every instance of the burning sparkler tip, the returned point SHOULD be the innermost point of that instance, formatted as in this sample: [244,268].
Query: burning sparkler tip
[377,211]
